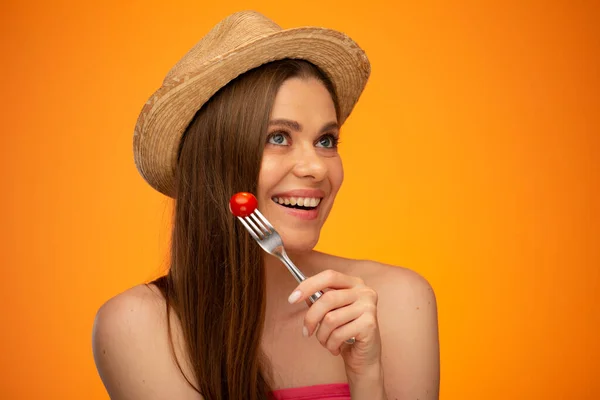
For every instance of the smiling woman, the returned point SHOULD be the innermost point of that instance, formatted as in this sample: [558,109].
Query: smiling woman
[253,108]
[301,167]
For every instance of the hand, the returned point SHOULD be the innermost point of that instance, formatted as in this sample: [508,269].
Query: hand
[348,311]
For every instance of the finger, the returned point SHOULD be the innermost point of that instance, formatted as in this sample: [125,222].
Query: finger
[336,319]
[362,328]
[330,301]
[309,302]
[328,279]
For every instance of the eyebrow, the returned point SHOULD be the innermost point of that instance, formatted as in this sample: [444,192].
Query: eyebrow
[297,127]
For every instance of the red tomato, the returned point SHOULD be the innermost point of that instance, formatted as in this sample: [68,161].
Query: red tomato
[242,204]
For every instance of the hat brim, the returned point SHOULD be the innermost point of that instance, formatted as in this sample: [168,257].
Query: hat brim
[171,108]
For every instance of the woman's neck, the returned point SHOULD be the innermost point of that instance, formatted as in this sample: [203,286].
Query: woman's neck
[280,283]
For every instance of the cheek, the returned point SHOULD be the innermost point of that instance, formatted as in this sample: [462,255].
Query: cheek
[336,174]
[267,176]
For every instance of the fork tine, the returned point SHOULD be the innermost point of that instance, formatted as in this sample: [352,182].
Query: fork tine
[259,222]
[249,229]
[256,229]
[263,219]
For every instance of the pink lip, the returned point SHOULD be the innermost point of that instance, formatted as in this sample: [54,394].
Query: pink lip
[301,193]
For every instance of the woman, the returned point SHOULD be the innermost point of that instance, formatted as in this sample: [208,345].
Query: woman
[255,108]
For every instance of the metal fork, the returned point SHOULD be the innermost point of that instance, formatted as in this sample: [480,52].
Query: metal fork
[267,237]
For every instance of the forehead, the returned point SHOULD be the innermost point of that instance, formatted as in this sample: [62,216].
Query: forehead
[303,99]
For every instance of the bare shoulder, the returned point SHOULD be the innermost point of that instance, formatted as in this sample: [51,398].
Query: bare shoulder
[408,323]
[404,284]
[131,347]
[400,285]
[404,296]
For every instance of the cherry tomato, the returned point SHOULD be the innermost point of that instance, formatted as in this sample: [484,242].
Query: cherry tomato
[242,204]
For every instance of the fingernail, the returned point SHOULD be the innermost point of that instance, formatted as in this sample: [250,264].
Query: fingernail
[304,331]
[294,297]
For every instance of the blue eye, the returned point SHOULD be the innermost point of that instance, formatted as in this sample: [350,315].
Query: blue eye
[277,139]
[328,141]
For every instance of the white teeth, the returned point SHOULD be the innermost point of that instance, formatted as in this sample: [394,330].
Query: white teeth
[300,201]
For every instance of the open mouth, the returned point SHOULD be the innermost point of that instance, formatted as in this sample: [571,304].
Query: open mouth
[298,203]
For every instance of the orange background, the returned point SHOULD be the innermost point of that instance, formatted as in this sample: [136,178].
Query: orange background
[472,158]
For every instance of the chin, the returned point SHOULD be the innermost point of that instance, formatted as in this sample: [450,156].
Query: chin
[299,248]
[298,241]
[298,235]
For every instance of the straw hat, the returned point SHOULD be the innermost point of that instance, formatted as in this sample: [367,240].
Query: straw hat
[240,42]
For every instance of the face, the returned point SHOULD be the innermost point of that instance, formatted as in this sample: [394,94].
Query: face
[301,170]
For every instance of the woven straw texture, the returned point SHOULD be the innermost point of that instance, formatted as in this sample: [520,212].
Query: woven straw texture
[240,42]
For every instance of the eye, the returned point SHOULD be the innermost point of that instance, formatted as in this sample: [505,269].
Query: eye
[328,141]
[278,139]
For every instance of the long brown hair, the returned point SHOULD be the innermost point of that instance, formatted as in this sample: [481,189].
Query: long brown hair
[216,281]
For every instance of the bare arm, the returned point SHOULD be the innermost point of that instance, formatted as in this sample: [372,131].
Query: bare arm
[132,351]
[409,329]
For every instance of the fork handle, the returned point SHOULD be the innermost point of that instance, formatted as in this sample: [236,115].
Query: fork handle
[296,273]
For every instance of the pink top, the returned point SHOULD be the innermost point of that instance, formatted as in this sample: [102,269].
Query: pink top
[338,391]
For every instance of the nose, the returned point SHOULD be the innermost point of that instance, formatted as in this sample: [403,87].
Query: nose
[308,164]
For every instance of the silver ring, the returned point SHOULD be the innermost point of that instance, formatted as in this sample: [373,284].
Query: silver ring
[350,341]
